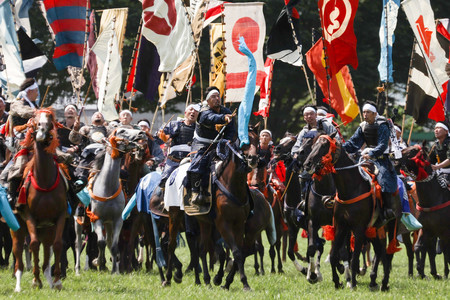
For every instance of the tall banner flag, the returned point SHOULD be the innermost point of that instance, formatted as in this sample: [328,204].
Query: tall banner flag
[21,8]
[109,71]
[245,108]
[421,18]
[265,90]
[121,15]
[281,43]
[214,9]
[166,25]
[246,20]
[13,75]
[387,38]
[91,57]
[342,93]
[422,100]
[216,75]
[147,75]
[340,41]
[68,22]
[32,57]
[443,27]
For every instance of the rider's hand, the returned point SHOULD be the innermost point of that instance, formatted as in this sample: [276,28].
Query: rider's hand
[435,167]
[228,118]
[366,156]
[76,125]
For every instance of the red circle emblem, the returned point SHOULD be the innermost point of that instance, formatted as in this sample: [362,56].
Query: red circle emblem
[249,29]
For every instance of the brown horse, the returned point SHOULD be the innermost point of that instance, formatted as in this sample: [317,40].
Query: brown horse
[433,205]
[353,209]
[46,205]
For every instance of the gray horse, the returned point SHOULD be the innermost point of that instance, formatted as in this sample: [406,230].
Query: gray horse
[105,190]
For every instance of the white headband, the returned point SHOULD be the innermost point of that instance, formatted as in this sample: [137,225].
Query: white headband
[308,109]
[69,106]
[144,123]
[441,125]
[397,128]
[126,111]
[212,92]
[265,131]
[321,111]
[31,87]
[369,107]
[194,106]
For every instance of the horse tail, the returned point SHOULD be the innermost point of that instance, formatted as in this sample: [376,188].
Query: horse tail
[271,230]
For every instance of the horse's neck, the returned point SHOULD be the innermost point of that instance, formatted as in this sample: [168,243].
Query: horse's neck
[258,176]
[325,186]
[44,174]
[430,193]
[134,169]
[293,188]
[349,182]
[110,172]
[234,180]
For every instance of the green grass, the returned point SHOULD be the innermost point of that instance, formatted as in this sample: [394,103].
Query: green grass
[290,285]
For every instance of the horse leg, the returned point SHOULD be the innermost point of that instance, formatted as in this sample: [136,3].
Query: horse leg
[113,240]
[78,242]
[100,261]
[359,241]
[57,248]
[222,258]
[259,249]
[334,255]
[293,232]
[205,247]
[311,275]
[45,265]
[319,252]
[431,250]
[34,246]
[272,255]
[410,253]
[18,240]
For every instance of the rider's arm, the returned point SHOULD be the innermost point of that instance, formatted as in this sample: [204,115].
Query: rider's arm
[210,118]
[444,164]
[355,142]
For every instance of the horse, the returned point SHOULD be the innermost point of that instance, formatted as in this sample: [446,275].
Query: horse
[107,196]
[44,192]
[433,205]
[354,207]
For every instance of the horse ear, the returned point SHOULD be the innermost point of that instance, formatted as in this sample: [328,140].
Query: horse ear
[333,135]
[256,127]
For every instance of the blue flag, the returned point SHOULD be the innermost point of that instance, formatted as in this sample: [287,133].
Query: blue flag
[245,109]
[387,38]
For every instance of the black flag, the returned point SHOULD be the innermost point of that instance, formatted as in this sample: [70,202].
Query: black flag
[32,57]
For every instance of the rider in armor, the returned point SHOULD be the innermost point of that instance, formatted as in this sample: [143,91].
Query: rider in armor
[310,130]
[375,132]
[125,117]
[440,154]
[205,134]
[181,133]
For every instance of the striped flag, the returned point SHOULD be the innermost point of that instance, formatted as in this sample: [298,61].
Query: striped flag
[266,90]
[67,18]
[390,12]
[214,9]
[32,57]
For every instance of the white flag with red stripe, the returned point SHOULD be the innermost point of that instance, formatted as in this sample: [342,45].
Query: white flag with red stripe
[265,90]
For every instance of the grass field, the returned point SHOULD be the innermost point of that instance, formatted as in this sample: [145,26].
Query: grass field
[290,285]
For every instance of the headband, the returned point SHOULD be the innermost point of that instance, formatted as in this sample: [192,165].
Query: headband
[212,92]
[126,111]
[144,123]
[309,109]
[69,106]
[34,86]
[369,107]
[194,106]
[321,111]
[397,128]
[265,131]
[441,125]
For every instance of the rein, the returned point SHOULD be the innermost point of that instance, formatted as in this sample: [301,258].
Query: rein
[433,208]
[103,199]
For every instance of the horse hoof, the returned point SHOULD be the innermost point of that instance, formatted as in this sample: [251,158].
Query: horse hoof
[353,288]
[349,285]
[57,285]
[319,277]
[437,276]
[95,262]
[36,284]
[224,287]
[247,289]
[339,286]
[374,288]
[385,288]
[341,268]
[177,279]
[17,290]
[165,283]
[362,272]
[217,280]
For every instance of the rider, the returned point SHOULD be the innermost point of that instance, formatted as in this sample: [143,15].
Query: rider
[181,133]
[374,132]
[205,134]
[310,130]
[440,153]
[125,117]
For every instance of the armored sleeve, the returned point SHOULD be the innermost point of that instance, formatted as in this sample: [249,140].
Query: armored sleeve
[355,142]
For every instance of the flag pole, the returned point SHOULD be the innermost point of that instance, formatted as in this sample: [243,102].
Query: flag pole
[86,30]
[224,69]
[410,131]
[386,111]
[110,42]
[296,42]
[326,60]
[409,75]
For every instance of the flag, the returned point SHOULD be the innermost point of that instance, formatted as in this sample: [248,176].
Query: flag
[265,90]
[121,15]
[216,75]
[390,9]
[68,22]
[109,73]
[91,57]
[32,57]
[165,89]
[340,40]
[433,48]
[13,76]
[281,44]
[245,108]
[247,20]
[443,27]
[422,100]
[214,9]
[342,94]
[21,8]
[167,27]
[147,75]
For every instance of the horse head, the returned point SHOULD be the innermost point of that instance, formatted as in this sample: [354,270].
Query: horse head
[125,140]
[42,129]
[413,162]
[323,155]
[251,151]
[282,151]
[306,145]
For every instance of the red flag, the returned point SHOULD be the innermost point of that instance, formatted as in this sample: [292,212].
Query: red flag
[130,80]
[265,90]
[337,24]
[342,94]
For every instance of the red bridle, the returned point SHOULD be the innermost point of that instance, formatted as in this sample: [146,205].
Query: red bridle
[327,159]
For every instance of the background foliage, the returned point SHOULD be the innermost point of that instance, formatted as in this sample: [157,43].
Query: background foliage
[289,89]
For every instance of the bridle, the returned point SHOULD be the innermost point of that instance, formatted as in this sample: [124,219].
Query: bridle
[326,165]
[422,175]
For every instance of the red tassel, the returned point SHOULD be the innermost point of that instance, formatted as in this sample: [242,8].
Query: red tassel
[328,232]
[371,232]
[22,195]
[304,234]
[296,247]
[352,243]
[392,248]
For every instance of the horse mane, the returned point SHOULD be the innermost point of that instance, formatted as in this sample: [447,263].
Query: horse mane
[29,138]
[99,159]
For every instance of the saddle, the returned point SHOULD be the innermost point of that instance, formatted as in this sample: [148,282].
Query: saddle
[197,210]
